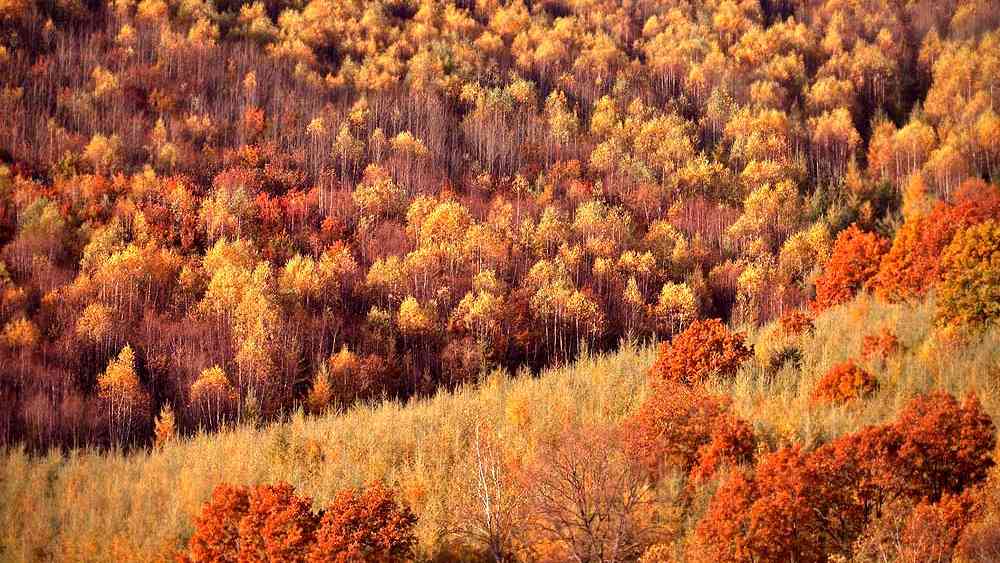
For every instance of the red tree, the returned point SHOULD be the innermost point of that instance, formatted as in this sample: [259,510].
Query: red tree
[704,349]
[853,261]
[365,525]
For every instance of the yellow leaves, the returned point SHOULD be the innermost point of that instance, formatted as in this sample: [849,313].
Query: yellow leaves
[969,293]
[102,152]
[316,128]
[94,323]
[445,226]
[320,392]
[378,194]
[412,319]
[165,427]
[119,384]
[203,33]
[212,385]
[21,334]
[675,307]
[407,144]
[563,122]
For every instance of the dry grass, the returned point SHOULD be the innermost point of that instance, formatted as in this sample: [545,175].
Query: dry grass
[91,506]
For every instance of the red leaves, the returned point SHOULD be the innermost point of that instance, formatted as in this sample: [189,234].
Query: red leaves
[688,429]
[913,264]
[704,349]
[807,506]
[854,260]
[845,382]
[365,526]
[272,523]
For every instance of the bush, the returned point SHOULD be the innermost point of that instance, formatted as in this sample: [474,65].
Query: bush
[913,264]
[687,429]
[365,525]
[808,506]
[879,346]
[272,523]
[704,349]
[843,383]
[854,260]
[933,529]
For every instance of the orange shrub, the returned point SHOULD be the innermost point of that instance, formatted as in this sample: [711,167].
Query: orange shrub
[808,506]
[843,383]
[795,322]
[853,261]
[272,523]
[217,530]
[365,525]
[687,428]
[278,526]
[933,529]
[704,349]
[879,346]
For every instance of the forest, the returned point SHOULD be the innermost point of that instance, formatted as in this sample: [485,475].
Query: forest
[671,280]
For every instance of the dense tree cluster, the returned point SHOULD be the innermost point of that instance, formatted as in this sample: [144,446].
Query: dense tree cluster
[225,210]
[273,523]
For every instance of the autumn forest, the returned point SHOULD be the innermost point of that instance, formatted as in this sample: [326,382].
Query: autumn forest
[493,280]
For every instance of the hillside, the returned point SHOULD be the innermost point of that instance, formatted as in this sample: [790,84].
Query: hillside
[95,506]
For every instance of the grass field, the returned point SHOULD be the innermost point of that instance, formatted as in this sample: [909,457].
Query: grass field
[94,506]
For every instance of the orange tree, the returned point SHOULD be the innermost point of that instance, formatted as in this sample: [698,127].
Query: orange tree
[970,289]
[704,349]
[853,261]
[843,383]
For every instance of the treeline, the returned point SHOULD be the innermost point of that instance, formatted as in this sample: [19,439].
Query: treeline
[216,211]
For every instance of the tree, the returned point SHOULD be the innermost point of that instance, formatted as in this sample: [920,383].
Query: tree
[212,395]
[970,287]
[705,349]
[686,429]
[913,265]
[124,398]
[843,383]
[266,523]
[593,507]
[853,261]
[365,525]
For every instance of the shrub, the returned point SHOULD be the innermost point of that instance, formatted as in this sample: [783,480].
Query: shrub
[970,289]
[843,383]
[272,523]
[704,349]
[940,446]
[366,525]
[684,428]
[854,260]
[795,322]
[278,526]
[217,530]
[933,529]
[879,346]
[810,506]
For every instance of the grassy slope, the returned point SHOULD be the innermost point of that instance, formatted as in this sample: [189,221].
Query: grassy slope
[90,506]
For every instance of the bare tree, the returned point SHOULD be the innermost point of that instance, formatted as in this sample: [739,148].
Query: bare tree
[491,505]
[588,496]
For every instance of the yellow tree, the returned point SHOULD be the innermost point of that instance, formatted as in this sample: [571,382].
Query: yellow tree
[124,399]
[213,396]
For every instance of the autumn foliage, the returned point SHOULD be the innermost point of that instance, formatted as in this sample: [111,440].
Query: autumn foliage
[804,505]
[854,260]
[273,523]
[368,525]
[843,383]
[687,429]
[703,350]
